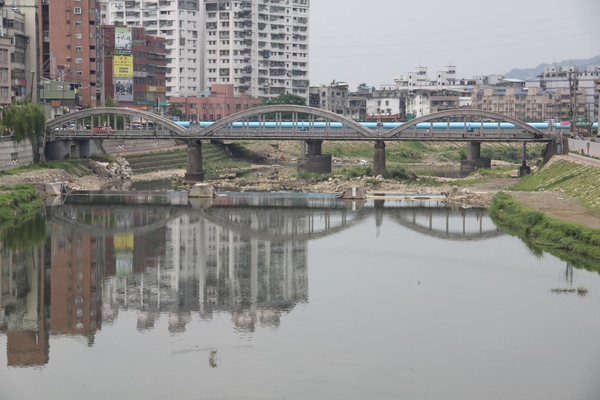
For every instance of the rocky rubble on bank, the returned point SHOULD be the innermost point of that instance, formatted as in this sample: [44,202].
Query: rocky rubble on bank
[114,175]
[378,185]
[104,174]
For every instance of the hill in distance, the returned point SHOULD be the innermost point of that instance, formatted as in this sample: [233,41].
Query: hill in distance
[524,73]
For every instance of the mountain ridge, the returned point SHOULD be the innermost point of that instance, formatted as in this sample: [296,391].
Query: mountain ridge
[524,73]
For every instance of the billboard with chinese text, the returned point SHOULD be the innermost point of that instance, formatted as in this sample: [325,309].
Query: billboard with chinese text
[123,41]
[123,66]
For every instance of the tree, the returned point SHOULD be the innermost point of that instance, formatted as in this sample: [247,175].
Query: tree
[286,98]
[110,102]
[176,112]
[26,121]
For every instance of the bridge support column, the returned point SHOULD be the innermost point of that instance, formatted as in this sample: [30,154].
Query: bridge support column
[474,159]
[379,158]
[313,161]
[558,145]
[314,147]
[473,150]
[524,169]
[194,172]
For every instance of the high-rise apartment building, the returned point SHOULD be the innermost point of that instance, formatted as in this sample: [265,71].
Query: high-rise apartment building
[69,44]
[179,22]
[259,46]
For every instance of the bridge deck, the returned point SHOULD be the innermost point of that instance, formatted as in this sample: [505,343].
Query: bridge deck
[435,135]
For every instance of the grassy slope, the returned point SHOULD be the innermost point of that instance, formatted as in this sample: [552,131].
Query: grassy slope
[574,179]
[572,242]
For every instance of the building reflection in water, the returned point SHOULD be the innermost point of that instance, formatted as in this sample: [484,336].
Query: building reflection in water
[24,306]
[244,256]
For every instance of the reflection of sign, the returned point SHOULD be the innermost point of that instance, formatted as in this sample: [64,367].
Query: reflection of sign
[140,74]
[124,89]
[123,241]
[123,66]
[123,41]
[124,263]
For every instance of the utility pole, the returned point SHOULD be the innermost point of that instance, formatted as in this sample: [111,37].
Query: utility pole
[573,86]
[598,118]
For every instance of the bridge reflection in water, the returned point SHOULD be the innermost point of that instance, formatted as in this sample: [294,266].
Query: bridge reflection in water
[244,255]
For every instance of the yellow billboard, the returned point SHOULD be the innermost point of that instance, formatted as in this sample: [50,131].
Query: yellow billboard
[123,66]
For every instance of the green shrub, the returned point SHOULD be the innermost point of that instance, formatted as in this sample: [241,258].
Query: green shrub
[18,203]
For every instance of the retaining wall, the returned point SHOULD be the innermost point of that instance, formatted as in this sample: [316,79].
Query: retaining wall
[13,155]
[585,147]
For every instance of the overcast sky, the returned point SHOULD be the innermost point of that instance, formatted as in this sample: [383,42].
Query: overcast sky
[375,41]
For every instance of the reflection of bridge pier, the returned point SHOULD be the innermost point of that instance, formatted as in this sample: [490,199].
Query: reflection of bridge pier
[314,161]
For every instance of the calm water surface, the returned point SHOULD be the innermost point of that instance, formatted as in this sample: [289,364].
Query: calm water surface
[283,297]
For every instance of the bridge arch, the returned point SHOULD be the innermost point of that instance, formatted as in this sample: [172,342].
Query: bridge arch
[464,113]
[160,121]
[262,111]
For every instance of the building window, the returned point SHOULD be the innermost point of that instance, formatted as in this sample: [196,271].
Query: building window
[77,48]
[77,23]
[77,10]
[78,60]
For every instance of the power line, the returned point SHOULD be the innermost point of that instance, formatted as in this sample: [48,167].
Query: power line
[486,46]
[479,29]
[451,40]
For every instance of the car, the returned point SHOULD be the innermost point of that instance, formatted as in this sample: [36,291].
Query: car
[103,129]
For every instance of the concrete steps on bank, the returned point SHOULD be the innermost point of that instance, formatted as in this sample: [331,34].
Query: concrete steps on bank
[169,159]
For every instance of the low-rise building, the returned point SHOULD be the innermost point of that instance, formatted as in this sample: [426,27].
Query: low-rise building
[5,91]
[219,103]
[333,97]
[58,97]
[572,78]
[528,104]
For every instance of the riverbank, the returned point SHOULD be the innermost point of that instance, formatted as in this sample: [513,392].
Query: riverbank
[474,191]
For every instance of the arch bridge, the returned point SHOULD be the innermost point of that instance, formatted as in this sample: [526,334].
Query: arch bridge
[310,125]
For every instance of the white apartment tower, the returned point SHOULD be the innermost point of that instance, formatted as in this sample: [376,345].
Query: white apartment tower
[259,46]
[179,22]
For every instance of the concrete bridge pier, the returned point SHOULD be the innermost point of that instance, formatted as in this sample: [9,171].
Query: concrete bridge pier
[194,172]
[62,149]
[524,169]
[474,159]
[379,158]
[313,161]
[558,145]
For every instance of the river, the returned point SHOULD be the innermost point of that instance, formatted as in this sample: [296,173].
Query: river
[249,296]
